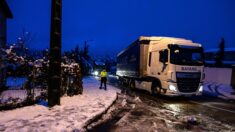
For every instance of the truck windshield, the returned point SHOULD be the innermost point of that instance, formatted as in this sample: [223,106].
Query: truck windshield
[187,56]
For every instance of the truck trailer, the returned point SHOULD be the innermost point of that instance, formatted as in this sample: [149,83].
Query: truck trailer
[162,65]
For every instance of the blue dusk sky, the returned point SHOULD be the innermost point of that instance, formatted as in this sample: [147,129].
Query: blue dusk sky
[113,24]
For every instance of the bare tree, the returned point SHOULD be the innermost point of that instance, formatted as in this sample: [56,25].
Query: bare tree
[220,54]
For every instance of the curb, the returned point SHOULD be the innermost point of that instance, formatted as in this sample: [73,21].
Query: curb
[100,114]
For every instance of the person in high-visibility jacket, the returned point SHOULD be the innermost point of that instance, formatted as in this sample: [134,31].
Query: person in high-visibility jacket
[103,76]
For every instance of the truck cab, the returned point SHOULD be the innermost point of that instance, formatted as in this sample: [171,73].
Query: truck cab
[177,64]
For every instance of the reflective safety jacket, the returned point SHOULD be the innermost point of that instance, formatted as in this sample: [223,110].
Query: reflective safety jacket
[103,73]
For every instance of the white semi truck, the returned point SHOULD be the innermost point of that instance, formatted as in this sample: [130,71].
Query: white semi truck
[162,65]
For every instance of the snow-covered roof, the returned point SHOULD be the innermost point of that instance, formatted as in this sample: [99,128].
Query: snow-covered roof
[157,38]
[216,49]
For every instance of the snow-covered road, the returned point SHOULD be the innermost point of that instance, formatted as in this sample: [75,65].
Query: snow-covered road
[212,113]
[145,113]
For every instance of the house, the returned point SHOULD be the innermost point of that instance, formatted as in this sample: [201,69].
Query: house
[5,13]
[228,59]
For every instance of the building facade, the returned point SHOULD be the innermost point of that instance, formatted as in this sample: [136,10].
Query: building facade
[5,13]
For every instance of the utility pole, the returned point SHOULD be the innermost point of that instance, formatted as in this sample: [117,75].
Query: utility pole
[54,80]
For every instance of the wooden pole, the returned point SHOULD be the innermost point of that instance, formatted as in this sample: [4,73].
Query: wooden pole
[54,80]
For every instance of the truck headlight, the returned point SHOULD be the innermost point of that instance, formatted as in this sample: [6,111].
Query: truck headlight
[200,88]
[172,87]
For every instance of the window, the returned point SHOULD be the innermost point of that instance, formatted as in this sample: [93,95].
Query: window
[186,56]
[196,56]
[163,56]
[150,56]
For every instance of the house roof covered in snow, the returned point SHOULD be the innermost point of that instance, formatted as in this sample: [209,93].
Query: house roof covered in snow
[217,49]
[6,10]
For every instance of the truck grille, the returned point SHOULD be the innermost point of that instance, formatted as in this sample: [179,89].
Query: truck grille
[188,82]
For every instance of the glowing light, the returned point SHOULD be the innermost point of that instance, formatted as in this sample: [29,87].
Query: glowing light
[172,88]
[96,73]
[201,88]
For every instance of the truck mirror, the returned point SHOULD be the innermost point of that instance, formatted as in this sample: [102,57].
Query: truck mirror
[163,56]
[165,61]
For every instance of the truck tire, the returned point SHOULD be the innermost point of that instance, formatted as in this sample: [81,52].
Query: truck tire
[125,82]
[156,88]
[120,81]
[132,84]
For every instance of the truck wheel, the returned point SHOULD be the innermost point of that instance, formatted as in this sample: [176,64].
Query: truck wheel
[156,89]
[132,84]
[120,82]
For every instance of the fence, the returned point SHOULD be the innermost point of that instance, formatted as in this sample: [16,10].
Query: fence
[17,95]
[23,91]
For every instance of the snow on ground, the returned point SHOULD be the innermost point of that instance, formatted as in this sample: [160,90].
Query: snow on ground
[20,95]
[219,90]
[73,113]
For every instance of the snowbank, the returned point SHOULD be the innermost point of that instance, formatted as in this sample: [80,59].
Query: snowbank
[218,83]
[20,95]
[222,91]
[73,114]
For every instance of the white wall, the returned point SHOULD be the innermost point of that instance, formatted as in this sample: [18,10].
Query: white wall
[218,75]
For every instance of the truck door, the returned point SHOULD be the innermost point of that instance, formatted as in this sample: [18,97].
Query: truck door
[158,61]
[163,67]
[158,65]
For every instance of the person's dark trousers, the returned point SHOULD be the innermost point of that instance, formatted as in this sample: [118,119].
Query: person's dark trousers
[103,81]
